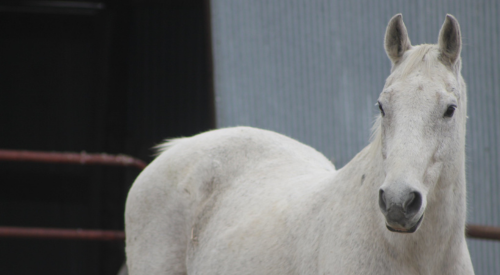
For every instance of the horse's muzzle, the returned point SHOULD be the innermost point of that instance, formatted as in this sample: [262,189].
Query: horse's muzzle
[402,213]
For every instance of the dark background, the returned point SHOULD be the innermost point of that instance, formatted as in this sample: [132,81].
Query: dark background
[94,76]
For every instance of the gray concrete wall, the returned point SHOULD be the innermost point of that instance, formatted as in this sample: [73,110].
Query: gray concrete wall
[313,70]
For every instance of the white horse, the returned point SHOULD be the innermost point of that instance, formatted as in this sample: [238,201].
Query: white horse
[248,201]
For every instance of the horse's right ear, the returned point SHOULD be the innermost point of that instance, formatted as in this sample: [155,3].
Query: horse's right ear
[396,39]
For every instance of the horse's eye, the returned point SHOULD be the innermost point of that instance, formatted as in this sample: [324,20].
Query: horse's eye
[449,112]
[381,109]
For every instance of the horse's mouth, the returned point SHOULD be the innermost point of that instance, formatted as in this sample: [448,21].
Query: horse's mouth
[410,230]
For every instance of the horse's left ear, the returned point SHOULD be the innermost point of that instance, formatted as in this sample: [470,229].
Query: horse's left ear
[450,40]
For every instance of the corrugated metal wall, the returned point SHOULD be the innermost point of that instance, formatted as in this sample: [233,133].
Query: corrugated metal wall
[313,70]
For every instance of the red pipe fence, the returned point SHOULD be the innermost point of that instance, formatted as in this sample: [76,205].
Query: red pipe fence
[82,158]
[72,158]
[472,230]
[57,233]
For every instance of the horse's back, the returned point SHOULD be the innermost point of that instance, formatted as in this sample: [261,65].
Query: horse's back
[217,190]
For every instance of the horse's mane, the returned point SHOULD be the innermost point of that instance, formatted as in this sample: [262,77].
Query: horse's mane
[165,145]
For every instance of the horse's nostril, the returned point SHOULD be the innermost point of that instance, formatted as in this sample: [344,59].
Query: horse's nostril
[408,201]
[381,200]
[412,205]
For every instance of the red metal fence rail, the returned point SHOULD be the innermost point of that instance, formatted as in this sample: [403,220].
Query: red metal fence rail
[483,232]
[472,230]
[74,158]
[57,233]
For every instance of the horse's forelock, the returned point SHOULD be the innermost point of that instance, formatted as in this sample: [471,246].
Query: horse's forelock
[422,58]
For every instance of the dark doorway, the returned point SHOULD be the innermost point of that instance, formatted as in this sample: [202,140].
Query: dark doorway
[107,76]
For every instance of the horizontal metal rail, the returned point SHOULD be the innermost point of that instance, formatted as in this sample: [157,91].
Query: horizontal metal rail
[57,233]
[473,231]
[483,232]
[74,158]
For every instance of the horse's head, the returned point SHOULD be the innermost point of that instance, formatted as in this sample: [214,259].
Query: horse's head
[422,123]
